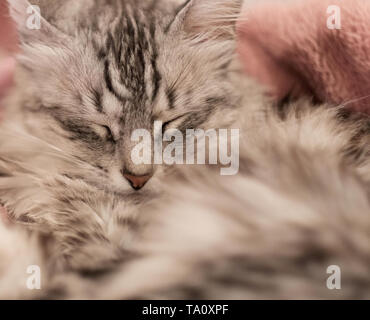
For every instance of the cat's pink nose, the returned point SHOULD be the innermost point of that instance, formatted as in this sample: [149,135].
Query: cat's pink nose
[137,182]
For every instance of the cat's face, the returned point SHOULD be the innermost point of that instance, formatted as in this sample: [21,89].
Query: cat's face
[99,72]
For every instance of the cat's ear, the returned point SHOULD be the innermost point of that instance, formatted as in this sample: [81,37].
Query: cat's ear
[31,26]
[214,19]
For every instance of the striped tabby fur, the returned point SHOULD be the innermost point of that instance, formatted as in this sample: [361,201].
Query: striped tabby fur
[300,203]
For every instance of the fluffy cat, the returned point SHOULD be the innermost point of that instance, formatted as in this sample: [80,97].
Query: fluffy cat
[97,70]
[87,84]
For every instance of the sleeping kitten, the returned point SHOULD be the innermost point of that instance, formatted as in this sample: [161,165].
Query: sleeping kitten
[96,71]
[92,74]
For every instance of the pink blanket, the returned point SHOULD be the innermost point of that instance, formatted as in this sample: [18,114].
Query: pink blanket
[316,47]
[7,46]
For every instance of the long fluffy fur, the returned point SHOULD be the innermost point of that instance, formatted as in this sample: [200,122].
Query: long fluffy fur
[300,203]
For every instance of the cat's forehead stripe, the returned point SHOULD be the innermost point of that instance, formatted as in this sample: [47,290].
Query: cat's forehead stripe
[171,97]
[109,83]
[130,58]
[97,98]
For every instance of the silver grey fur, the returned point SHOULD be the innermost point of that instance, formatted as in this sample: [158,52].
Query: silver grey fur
[300,203]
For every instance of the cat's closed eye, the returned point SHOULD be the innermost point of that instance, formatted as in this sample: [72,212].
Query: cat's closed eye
[105,133]
[171,123]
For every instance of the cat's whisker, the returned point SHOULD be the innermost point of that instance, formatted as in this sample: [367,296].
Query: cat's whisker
[346,103]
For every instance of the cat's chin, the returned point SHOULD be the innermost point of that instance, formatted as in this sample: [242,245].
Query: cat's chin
[122,189]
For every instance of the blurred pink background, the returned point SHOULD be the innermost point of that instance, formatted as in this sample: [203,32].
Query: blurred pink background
[7,32]
[8,41]
[288,47]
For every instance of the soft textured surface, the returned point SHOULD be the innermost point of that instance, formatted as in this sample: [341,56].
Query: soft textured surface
[299,203]
[288,47]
